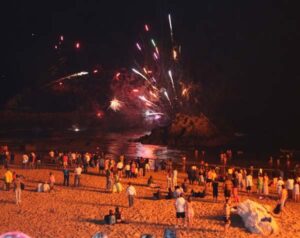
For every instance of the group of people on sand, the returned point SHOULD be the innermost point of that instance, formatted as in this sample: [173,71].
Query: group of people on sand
[200,181]
[15,181]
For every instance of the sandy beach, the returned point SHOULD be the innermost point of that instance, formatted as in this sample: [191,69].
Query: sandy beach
[79,212]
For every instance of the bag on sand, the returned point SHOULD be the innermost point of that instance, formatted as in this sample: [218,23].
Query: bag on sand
[169,233]
[277,209]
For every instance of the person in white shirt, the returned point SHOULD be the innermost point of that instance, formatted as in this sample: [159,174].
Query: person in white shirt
[174,178]
[77,173]
[249,183]
[180,205]
[290,187]
[120,168]
[25,160]
[296,191]
[131,192]
[280,182]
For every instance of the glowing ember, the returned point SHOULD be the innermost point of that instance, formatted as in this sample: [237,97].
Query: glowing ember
[115,104]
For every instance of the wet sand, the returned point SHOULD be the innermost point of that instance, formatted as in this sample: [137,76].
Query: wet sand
[79,212]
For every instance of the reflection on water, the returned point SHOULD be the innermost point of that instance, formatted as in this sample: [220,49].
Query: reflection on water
[117,144]
[114,144]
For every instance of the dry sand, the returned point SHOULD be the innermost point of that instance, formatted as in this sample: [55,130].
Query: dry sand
[78,212]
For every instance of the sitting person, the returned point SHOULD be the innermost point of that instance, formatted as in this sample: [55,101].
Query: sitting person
[151,183]
[200,194]
[46,187]
[170,194]
[110,219]
[157,195]
[118,214]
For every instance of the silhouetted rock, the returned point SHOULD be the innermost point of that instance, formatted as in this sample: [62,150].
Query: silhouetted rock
[186,130]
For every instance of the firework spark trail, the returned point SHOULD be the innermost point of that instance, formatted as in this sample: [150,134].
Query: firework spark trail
[144,99]
[79,74]
[140,74]
[171,27]
[167,96]
[172,81]
[152,81]
[153,43]
[138,46]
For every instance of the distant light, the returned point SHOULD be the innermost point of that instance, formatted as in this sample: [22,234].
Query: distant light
[95,71]
[138,46]
[61,38]
[77,45]
[60,83]
[155,56]
[118,75]
[100,114]
[55,47]
[135,90]
[76,129]
[146,27]
[174,54]
[32,34]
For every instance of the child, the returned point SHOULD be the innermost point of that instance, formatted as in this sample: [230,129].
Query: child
[227,210]
[51,181]
[189,210]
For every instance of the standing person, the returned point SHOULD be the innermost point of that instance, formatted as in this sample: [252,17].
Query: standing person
[101,165]
[227,211]
[25,160]
[266,185]
[127,170]
[38,161]
[249,183]
[180,205]
[290,187]
[108,176]
[189,210]
[259,185]
[183,159]
[18,190]
[8,178]
[227,188]
[77,173]
[51,181]
[174,177]
[66,173]
[65,160]
[283,197]
[280,182]
[235,188]
[169,180]
[120,166]
[215,185]
[131,192]
[296,192]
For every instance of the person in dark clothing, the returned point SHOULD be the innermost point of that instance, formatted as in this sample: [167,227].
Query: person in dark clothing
[215,185]
[66,173]
[157,195]
[118,214]
[170,194]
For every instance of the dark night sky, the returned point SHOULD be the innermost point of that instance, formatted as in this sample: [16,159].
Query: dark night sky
[248,47]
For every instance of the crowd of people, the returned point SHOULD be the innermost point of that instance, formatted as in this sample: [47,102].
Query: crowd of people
[200,181]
